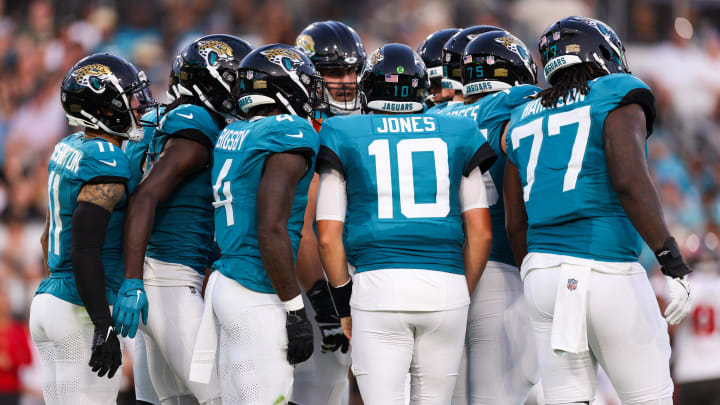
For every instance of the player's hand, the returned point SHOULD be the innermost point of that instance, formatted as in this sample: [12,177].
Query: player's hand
[300,336]
[131,305]
[679,306]
[106,357]
[346,324]
[327,319]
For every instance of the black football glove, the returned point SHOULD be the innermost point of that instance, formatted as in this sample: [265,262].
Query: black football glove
[333,337]
[106,357]
[300,336]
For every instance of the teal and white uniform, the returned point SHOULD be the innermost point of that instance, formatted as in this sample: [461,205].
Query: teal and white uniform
[183,229]
[238,162]
[243,296]
[591,300]
[571,205]
[491,113]
[402,177]
[497,310]
[75,162]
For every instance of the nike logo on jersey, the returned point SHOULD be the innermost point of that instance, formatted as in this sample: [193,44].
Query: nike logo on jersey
[138,296]
[298,135]
[111,164]
[188,116]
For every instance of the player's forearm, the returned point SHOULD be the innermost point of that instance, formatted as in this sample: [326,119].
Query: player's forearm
[308,267]
[516,223]
[44,241]
[89,226]
[332,252]
[478,243]
[276,254]
[138,227]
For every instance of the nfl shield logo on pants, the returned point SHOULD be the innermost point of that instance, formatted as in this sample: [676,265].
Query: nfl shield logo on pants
[572,284]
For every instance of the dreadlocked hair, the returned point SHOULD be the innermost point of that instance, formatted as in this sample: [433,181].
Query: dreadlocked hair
[568,82]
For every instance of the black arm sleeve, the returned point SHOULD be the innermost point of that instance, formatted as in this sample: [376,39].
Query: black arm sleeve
[89,225]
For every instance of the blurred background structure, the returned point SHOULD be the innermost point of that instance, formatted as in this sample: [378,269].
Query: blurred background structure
[674,45]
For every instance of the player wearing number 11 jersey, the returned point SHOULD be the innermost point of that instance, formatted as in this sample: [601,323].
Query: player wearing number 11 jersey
[579,197]
[403,185]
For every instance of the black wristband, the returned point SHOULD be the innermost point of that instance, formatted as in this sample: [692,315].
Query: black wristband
[341,298]
[671,260]
[89,226]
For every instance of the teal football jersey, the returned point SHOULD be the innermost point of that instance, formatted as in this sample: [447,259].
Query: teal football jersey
[439,108]
[77,161]
[403,176]
[238,162]
[137,151]
[571,205]
[491,113]
[183,229]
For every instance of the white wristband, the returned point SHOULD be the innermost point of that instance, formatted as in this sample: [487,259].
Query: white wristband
[294,304]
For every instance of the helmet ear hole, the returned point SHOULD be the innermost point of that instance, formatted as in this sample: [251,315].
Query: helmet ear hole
[605,52]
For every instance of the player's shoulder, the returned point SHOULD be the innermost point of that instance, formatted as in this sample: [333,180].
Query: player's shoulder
[443,107]
[286,129]
[616,85]
[450,123]
[188,116]
[102,158]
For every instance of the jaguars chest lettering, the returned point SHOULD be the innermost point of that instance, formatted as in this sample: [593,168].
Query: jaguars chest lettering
[406,124]
[66,156]
[231,140]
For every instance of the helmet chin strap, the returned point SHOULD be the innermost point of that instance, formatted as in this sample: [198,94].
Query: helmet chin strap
[285,103]
[601,63]
[337,107]
[208,104]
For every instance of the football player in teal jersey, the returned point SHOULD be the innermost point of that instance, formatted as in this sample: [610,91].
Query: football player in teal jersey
[338,54]
[137,155]
[405,185]
[497,74]
[452,53]
[431,52]
[89,180]
[169,230]
[579,202]
[262,168]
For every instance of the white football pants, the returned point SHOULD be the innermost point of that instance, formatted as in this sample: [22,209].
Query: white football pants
[252,357]
[626,335]
[500,361]
[174,315]
[323,378]
[62,333]
[388,344]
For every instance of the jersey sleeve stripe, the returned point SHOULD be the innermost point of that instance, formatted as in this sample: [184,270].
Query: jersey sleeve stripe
[646,100]
[483,158]
[193,135]
[328,158]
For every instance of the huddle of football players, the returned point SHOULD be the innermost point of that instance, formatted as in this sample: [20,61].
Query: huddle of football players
[465,230]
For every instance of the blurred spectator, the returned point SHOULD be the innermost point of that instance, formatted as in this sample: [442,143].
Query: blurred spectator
[14,352]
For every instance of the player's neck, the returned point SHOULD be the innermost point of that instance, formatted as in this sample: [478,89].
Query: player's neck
[90,133]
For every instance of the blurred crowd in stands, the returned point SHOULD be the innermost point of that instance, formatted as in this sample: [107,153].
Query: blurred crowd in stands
[672,45]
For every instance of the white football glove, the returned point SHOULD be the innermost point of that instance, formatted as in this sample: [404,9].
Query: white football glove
[679,306]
